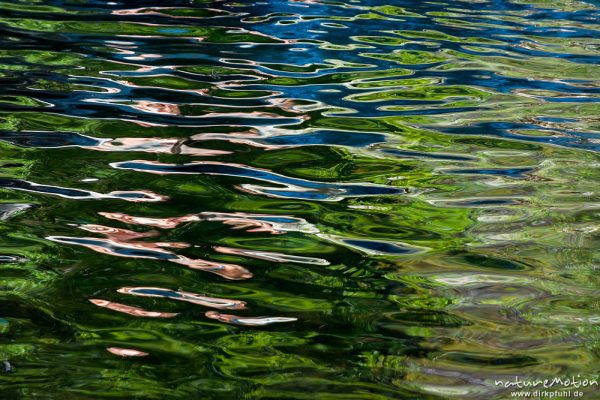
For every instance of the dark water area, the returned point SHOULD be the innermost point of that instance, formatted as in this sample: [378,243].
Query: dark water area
[304,199]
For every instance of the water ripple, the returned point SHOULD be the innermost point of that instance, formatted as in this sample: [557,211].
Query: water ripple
[392,199]
[293,187]
[154,251]
[212,302]
[79,194]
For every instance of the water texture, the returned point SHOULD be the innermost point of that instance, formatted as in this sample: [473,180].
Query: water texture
[304,199]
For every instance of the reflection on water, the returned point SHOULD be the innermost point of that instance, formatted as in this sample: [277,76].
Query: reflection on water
[126,352]
[253,321]
[135,311]
[184,296]
[391,199]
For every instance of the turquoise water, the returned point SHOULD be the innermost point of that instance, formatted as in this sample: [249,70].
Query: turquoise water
[297,200]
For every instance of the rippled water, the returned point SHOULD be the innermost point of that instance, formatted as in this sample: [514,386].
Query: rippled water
[307,199]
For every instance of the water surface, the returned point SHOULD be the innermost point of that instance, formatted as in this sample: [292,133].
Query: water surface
[302,199]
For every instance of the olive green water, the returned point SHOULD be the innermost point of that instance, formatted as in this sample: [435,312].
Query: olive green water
[368,199]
